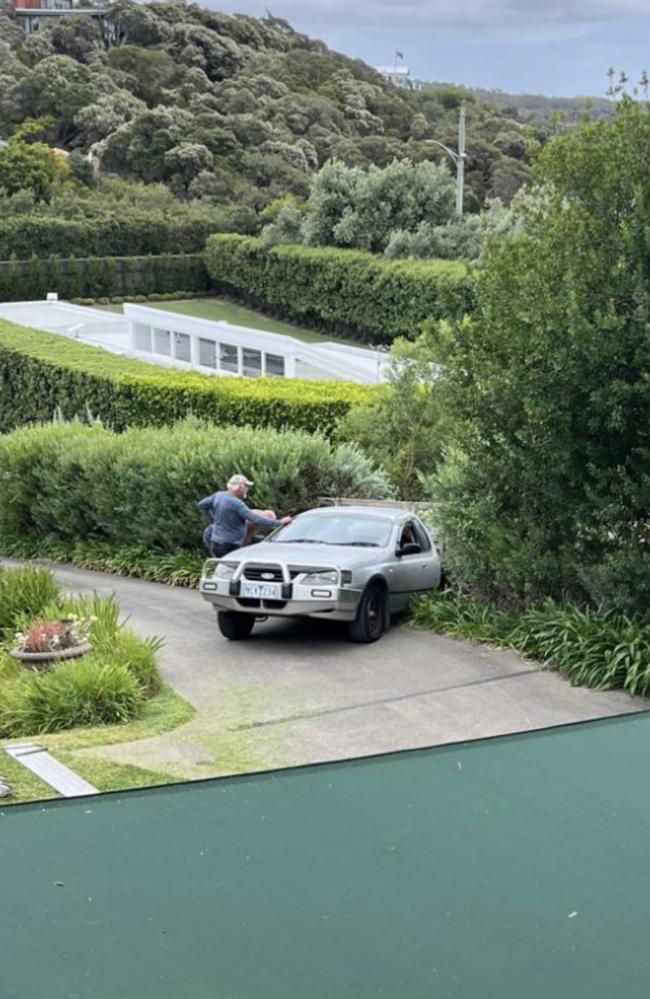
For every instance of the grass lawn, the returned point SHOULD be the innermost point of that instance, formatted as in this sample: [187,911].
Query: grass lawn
[240,315]
[161,714]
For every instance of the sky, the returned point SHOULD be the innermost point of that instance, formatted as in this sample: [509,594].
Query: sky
[555,47]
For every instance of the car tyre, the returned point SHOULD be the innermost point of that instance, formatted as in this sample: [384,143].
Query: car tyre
[370,622]
[235,626]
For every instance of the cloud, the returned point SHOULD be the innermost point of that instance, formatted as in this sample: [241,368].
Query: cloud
[508,18]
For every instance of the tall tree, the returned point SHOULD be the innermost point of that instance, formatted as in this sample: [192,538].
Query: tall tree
[546,488]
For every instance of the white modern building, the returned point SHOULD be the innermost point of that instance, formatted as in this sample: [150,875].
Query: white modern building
[31,13]
[214,348]
[400,76]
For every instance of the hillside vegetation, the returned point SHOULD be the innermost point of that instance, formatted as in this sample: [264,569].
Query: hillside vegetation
[536,108]
[231,112]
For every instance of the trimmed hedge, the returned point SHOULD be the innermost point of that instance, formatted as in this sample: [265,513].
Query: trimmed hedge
[101,277]
[344,291]
[43,373]
[121,235]
[71,483]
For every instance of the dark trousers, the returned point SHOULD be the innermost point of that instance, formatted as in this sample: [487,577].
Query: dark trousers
[221,548]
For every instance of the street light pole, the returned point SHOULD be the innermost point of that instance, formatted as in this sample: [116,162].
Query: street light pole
[460,163]
[458,159]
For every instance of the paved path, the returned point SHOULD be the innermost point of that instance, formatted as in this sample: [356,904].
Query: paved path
[298,692]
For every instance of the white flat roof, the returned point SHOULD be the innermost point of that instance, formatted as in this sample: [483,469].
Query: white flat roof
[113,332]
[54,316]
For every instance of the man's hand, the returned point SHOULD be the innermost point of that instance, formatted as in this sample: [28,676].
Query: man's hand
[286,520]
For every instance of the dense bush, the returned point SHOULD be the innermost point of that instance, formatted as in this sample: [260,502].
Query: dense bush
[545,490]
[371,297]
[74,483]
[118,235]
[101,277]
[402,427]
[605,651]
[107,686]
[42,373]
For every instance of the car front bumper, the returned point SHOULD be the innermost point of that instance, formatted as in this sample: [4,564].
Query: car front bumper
[339,603]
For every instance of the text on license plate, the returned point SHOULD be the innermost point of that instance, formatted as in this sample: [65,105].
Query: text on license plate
[262,591]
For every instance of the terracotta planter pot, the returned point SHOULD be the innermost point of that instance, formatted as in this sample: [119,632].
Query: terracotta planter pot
[41,660]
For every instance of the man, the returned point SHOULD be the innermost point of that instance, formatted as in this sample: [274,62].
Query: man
[231,518]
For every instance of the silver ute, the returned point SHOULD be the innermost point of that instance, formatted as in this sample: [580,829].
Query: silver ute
[354,564]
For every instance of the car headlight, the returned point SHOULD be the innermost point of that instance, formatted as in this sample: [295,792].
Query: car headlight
[225,570]
[329,578]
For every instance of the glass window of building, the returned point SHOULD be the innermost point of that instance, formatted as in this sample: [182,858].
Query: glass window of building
[274,365]
[183,347]
[142,337]
[207,353]
[252,362]
[228,359]
[162,342]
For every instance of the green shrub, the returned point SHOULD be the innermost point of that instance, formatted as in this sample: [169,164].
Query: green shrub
[106,686]
[182,568]
[24,592]
[118,234]
[601,650]
[342,290]
[42,373]
[75,483]
[87,691]
[113,641]
[98,278]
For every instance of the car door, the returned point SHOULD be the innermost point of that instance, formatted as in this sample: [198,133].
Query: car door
[412,573]
[429,578]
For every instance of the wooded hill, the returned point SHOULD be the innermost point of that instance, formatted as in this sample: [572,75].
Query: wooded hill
[537,109]
[233,109]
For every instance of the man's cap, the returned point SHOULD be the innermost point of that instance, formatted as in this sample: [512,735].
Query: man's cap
[238,480]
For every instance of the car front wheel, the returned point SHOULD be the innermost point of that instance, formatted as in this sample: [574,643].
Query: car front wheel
[235,626]
[369,624]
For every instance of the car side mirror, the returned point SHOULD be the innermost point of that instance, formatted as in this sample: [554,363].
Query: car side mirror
[411,548]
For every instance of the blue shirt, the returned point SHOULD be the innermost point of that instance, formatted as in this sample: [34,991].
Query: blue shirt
[230,515]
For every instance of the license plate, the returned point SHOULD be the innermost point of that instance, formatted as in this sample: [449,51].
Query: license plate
[262,591]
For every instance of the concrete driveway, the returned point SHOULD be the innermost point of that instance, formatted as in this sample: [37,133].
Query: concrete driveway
[298,692]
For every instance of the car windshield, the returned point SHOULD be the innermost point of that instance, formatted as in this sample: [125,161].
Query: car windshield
[335,529]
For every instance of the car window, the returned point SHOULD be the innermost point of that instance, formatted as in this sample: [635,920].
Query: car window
[407,535]
[421,536]
[335,529]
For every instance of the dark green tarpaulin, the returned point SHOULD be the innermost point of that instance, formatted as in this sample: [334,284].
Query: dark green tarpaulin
[507,869]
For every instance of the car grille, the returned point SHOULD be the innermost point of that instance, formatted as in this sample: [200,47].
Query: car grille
[263,573]
[273,573]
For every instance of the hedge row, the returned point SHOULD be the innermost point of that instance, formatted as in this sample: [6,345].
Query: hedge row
[120,235]
[101,277]
[71,483]
[344,291]
[42,373]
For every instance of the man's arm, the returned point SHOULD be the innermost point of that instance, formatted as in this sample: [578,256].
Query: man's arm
[258,518]
[205,506]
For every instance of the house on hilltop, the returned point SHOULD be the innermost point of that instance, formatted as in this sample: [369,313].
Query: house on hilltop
[400,76]
[30,13]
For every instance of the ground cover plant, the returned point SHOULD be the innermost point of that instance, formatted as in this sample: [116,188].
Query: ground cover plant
[592,649]
[135,493]
[43,374]
[109,685]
